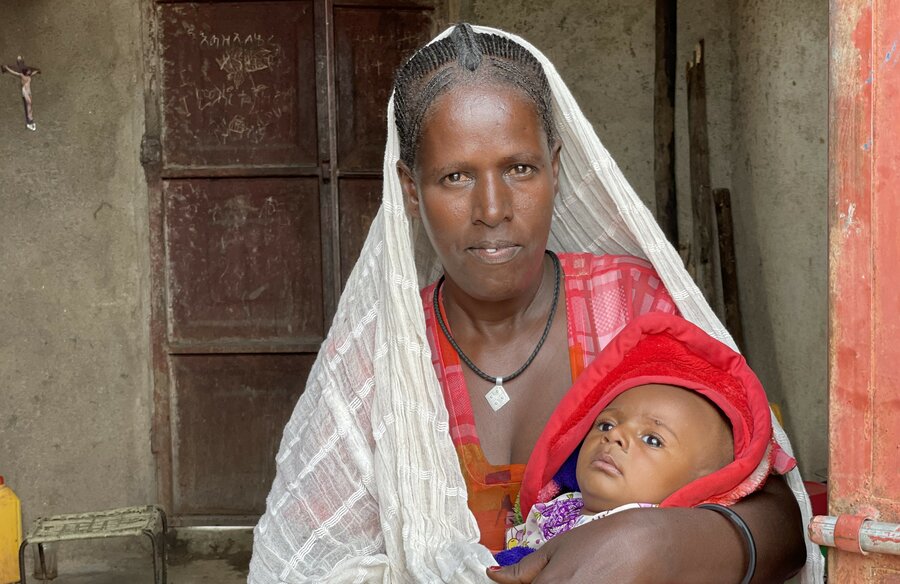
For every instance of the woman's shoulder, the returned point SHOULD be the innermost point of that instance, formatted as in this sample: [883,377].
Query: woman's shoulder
[588,264]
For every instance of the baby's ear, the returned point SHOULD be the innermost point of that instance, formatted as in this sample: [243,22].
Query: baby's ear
[717,459]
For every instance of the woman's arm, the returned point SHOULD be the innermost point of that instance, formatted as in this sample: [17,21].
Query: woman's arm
[774,519]
[673,545]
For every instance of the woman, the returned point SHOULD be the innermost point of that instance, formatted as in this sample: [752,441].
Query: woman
[369,486]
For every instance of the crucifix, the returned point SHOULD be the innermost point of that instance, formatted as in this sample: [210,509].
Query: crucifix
[24,73]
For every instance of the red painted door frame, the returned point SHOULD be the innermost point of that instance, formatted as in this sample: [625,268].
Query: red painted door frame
[864,278]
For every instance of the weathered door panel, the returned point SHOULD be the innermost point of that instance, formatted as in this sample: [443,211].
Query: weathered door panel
[370,43]
[269,117]
[360,199]
[238,84]
[864,241]
[243,260]
[231,410]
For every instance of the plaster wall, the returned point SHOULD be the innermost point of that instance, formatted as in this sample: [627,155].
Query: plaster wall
[711,21]
[766,72]
[75,397]
[604,51]
[779,199]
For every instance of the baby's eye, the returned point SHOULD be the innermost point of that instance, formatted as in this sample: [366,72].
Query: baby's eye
[652,441]
[605,426]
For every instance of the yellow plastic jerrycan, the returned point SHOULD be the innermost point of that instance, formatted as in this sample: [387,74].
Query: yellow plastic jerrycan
[10,534]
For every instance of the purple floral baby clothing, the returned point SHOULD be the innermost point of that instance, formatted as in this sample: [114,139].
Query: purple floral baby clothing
[547,520]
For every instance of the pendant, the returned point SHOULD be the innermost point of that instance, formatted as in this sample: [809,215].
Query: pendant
[497,396]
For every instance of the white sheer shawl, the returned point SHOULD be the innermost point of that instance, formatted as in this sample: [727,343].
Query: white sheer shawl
[368,488]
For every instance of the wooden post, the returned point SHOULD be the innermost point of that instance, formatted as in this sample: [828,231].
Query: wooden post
[728,264]
[701,198]
[664,119]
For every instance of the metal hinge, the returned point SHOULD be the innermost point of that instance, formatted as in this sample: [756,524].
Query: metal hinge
[151,150]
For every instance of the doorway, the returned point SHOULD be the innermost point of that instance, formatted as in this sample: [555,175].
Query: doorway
[263,155]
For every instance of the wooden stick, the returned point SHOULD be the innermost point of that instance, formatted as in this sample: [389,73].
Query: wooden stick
[701,197]
[664,119]
[731,298]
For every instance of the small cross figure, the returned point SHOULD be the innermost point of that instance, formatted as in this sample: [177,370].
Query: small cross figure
[24,73]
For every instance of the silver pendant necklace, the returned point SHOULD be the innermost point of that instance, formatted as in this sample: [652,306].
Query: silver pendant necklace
[497,396]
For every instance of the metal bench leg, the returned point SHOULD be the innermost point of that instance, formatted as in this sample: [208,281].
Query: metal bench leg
[43,562]
[150,535]
[22,561]
[163,543]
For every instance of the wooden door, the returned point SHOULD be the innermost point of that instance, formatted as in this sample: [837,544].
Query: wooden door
[263,153]
[864,241]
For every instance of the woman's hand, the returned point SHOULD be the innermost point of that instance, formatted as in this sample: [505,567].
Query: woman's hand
[672,545]
[625,547]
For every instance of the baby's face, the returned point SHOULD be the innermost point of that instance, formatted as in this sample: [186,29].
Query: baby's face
[649,442]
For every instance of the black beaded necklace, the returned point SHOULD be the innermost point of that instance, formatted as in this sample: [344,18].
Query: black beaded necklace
[497,396]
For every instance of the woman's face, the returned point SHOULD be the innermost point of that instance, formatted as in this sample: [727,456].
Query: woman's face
[483,185]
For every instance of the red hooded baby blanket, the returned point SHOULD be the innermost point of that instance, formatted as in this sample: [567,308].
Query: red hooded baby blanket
[665,349]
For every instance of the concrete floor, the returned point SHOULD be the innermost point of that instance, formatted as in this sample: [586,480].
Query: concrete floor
[195,556]
[197,571]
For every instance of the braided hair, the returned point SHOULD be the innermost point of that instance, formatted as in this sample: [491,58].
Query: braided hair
[465,56]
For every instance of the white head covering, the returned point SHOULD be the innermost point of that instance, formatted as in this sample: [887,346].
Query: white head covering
[368,486]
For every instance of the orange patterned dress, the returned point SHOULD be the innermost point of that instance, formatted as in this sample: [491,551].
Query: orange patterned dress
[603,293]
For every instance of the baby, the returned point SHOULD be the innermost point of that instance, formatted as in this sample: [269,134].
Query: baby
[665,416]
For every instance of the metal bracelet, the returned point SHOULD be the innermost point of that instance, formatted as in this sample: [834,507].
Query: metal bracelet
[738,522]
